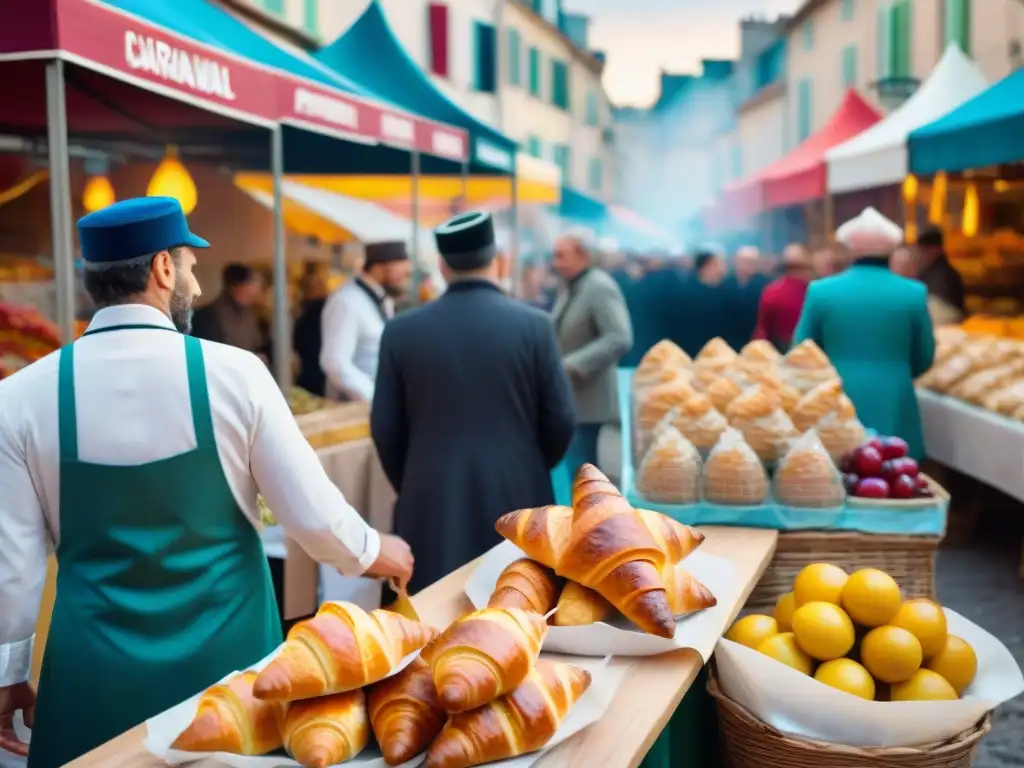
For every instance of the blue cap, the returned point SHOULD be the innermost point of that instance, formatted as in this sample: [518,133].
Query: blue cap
[136,227]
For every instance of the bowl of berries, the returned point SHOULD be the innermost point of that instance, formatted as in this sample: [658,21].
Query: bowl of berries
[880,473]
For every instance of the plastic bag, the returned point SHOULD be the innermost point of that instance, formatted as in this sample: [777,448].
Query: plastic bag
[758,415]
[806,476]
[651,408]
[816,404]
[700,423]
[760,351]
[733,474]
[723,391]
[976,386]
[840,432]
[788,396]
[671,471]
[644,440]
[715,355]
[806,366]
[662,364]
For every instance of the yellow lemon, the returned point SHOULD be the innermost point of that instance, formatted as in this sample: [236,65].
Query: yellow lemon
[823,630]
[890,654]
[926,621]
[924,685]
[753,630]
[784,648]
[784,608]
[819,582]
[847,675]
[871,597]
[955,661]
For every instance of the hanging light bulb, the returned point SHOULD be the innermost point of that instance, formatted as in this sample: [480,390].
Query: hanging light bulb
[972,211]
[937,206]
[98,194]
[910,189]
[171,179]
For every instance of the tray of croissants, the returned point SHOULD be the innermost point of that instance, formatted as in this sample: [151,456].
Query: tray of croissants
[373,688]
[610,578]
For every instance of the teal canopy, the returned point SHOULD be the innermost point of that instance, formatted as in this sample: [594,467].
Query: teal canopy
[579,207]
[984,131]
[372,57]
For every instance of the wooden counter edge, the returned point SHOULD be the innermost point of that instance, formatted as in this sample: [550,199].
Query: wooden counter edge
[444,601]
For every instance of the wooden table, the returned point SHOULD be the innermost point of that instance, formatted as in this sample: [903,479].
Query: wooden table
[651,688]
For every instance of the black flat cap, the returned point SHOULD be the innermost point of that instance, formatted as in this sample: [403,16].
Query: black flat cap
[466,242]
[381,253]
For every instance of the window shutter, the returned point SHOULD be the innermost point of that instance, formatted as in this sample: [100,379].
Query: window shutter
[559,84]
[438,38]
[593,116]
[310,17]
[596,175]
[274,6]
[486,58]
[849,64]
[958,24]
[535,85]
[884,43]
[515,65]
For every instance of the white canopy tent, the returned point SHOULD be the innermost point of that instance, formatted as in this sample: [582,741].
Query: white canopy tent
[878,156]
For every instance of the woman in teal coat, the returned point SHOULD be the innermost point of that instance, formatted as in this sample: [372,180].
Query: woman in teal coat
[875,328]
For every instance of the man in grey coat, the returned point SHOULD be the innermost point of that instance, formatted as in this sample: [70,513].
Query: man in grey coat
[594,332]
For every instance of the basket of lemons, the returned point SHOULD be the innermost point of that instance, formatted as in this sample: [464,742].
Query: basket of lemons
[846,672]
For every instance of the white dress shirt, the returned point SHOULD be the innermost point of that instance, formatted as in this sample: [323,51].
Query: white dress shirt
[131,390]
[351,328]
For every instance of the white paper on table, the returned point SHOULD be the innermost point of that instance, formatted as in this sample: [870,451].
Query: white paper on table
[699,631]
[799,705]
[164,729]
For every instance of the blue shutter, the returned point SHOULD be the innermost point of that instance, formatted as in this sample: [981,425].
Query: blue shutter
[486,61]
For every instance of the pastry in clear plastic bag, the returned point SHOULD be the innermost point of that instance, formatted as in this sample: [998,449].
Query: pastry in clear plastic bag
[758,415]
[652,407]
[806,477]
[671,470]
[722,391]
[841,431]
[644,439]
[976,386]
[716,355]
[788,395]
[700,422]
[733,474]
[806,365]
[760,351]
[1007,399]
[816,404]
[756,402]
[662,363]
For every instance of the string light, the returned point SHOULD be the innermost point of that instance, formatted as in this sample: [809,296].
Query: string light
[937,206]
[98,194]
[171,179]
[972,211]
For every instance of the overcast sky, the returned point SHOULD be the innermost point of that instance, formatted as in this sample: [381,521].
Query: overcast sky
[643,37]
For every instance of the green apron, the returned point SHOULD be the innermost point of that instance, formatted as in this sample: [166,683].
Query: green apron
[162,584]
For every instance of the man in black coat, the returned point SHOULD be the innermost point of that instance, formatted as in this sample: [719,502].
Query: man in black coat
[472,408]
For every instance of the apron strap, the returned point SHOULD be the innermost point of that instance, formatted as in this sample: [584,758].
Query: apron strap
[67,421]
[199,393]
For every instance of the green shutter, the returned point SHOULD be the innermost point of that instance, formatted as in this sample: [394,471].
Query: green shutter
[311,17]
[899,39]
[593,116]
[533,146]
[515,68]
[559,84]
[274,6]
[958,24]
[883,45]
[563,159]
[804,112]
[808,35]
[535,87]
[849,64]
[485,69]
[848,10]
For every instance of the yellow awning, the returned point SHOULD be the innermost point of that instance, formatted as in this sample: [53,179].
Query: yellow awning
[297,218]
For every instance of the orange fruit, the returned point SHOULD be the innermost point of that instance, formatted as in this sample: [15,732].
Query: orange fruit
[819,583]
[784,648]
[924,685]
[753,630]
[871,597]
[847,675]
[823,630]
[784,608]
[926,621]
[955,661]
[890,654]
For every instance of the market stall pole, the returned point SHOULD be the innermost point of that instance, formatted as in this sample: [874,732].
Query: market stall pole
[281,335]
[62,248]
[651,689]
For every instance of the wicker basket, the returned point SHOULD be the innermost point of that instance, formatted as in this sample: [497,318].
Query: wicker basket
[749,743]
[910,560]
[335,425]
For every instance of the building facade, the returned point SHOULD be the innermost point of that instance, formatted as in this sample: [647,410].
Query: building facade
[884,47]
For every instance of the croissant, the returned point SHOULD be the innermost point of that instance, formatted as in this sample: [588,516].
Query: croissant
[231,719]
[525,584]
[758,402]
[404,712]
[519,722]
[483,655]
[328,730]
[817,404]
[612,550]
[578,605]
[685,593]
[341,648]
[664,354]
[760,351]
[723,391]
[541,532]
[807,356]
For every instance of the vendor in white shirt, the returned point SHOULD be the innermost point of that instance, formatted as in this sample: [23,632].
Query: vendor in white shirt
[137,453]
[354,318]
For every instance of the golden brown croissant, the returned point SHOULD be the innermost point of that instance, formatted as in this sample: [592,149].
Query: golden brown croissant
[483,655]
[231,719]
[541,532]
[404,712]
[578,605]
[341,648]
[613,551]
[685,593]
[327,730]
[526,584]
[522,721]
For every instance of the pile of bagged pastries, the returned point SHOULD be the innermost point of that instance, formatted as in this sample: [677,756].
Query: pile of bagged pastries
[479,691]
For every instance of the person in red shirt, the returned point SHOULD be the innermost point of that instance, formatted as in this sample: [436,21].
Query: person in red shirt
[783,299]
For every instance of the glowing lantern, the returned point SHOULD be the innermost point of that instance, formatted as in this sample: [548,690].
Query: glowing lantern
[98,194]
[171,179]
[910,189]
[937,207]
[972,211]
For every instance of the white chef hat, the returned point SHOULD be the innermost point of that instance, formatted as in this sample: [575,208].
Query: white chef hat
[870,233]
